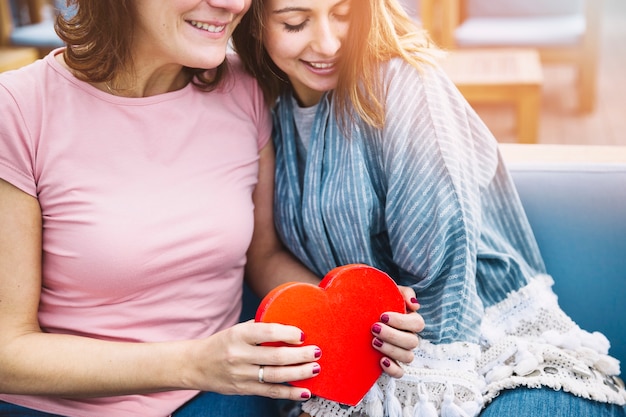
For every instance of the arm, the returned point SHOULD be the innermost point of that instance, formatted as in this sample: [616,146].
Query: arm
[269,264]
[34,362]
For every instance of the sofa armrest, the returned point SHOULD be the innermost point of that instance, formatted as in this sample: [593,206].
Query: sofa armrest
[575,199]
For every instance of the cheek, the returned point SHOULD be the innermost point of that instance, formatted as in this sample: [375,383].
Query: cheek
[281,48]
[343,32]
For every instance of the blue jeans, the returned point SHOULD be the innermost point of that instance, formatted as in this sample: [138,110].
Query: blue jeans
[545,402]
[205,404]
[210,404]
[521,402]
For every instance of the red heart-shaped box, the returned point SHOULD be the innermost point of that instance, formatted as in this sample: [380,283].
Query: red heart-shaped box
[337,316]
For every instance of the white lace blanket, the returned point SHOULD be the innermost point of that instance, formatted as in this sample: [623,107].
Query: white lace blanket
[527,340]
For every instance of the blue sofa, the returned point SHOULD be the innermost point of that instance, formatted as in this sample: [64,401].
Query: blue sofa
[575,199]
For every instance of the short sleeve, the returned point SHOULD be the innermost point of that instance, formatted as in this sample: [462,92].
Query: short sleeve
[16,149]
[248,86]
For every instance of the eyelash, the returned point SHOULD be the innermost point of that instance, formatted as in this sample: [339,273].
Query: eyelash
[295,28]
[299,27]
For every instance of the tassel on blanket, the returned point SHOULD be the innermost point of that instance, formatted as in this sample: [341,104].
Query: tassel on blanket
[448,407]
[576,338]
[526,362]
[423,407]
[392,405]
[407,411]
[374,401]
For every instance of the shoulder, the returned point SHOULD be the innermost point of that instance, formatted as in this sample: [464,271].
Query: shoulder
[28,87]
[243,91]
[238,74]
[23,93]
[24,81]
[422,85]
[423,69]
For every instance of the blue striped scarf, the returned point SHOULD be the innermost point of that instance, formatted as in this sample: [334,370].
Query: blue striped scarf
[426,199]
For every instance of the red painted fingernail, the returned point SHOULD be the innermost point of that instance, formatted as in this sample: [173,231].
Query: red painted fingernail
[414,300]
[378,342]
[318,352]
[305,395]
[384,318]
[376,328]
[386,363]
[316,369]
[302,336]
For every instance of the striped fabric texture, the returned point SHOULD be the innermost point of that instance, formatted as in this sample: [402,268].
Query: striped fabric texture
[425,199]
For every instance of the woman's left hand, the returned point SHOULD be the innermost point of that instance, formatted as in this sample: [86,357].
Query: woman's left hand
[395,335]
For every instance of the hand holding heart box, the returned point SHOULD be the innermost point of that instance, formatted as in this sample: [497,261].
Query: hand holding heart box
[337,316]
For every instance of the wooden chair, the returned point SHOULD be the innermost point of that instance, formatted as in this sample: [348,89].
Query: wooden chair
[12,57]
[23,24]
[563,31]
[422,11]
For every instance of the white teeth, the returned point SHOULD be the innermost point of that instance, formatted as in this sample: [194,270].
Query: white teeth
[207,27]
[320,65]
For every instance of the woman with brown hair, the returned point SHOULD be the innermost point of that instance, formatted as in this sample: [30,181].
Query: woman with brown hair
[128,162]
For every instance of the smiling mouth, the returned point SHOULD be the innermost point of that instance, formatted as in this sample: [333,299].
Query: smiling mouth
[207,27]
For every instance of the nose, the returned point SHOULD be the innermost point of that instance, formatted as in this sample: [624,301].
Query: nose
[327,38]
[233,6]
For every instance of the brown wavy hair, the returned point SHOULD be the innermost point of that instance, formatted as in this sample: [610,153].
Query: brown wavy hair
[99,34]
[379,31]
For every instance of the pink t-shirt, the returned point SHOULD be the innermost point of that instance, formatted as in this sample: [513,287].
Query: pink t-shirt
[147,210]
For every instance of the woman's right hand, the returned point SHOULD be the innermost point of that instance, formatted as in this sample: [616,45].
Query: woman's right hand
[229,361]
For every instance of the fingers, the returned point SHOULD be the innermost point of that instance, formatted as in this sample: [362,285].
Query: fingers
[391,367]
[286,355]
[283,391]
[412,322]
[267,388]
[282,359]
[271,378]
[282,374]
[396,336]
[408,294]
[257,333]
[392,351]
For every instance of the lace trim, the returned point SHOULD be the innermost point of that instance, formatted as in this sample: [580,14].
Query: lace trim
[529,341]
[442,378]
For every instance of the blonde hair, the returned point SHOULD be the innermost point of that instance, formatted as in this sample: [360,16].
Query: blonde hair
[379,31]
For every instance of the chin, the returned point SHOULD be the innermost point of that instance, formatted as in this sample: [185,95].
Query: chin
[211,63]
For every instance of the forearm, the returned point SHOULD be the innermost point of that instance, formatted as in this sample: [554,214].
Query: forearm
[72,366]
[276,268]
[269,263]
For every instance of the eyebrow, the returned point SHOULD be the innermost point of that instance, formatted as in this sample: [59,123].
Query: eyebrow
[303,9]
[290,9]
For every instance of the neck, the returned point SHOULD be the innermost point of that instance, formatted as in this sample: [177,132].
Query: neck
[148,83]
[138,86]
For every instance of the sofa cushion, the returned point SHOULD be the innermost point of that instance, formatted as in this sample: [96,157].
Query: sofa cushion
[538,32]
[516,8]
[41,35]
[578,214]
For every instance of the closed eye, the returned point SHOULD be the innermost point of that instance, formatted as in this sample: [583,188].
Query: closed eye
[295,28]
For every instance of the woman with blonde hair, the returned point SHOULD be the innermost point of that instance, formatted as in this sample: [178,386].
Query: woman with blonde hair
[380,160]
